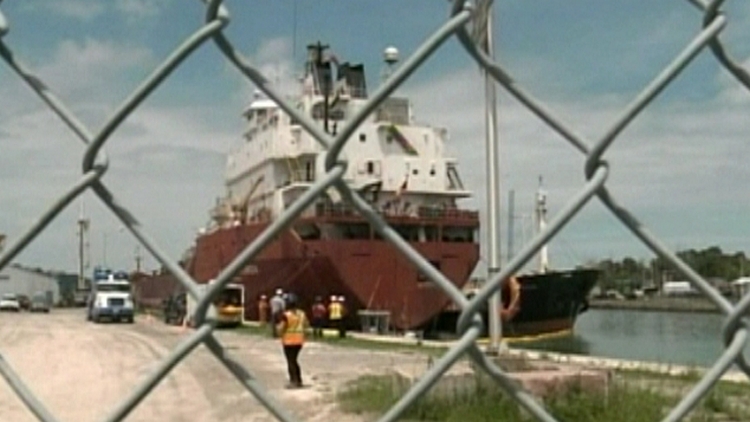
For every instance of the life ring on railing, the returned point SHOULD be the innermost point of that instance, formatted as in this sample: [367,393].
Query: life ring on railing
[511,295]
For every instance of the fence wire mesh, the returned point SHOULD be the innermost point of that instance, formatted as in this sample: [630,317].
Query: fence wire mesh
[460,25]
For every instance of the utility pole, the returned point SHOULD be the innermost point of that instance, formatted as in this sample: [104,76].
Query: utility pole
[83,226]
[483,37]
[138,259]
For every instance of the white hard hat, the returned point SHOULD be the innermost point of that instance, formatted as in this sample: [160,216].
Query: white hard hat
[341,298]
[333,298]
[279,291]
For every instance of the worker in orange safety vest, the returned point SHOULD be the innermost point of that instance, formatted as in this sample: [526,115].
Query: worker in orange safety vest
[292,328]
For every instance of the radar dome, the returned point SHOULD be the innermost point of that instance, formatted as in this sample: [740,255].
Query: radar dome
[390,55]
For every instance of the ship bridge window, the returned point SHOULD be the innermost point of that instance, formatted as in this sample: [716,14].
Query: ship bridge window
[458,234]
[394,110]
[318,112]
[336,114]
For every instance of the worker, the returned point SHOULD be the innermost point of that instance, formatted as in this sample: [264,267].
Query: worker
[336,314]
[278,306]
[263,308]
[291,328]
[318,313]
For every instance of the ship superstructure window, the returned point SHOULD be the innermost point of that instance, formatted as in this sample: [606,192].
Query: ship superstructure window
[307,231]
[453,178]
[318,112]
[354,230]
[394,110]
[410,233]
[309,171]
[458,234]
[431,233]
[362,137]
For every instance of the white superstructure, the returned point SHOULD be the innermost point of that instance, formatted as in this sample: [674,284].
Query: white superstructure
[398,164]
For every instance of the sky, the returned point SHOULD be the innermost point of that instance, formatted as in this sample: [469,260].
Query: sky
[680,167]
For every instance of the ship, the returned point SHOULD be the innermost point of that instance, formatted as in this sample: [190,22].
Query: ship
[550,301]
[395,163]
[399,166]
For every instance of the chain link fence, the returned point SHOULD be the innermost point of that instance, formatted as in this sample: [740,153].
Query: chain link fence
[459,25]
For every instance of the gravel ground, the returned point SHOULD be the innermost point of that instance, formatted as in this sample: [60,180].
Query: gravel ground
[81,371]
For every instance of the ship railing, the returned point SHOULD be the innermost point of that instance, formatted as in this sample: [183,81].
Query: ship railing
[436,213]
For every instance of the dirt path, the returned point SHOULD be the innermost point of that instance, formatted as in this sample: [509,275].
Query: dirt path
[81,371]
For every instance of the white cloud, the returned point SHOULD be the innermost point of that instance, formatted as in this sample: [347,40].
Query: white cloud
[92,68]
[140,8]
[84,10]
[273,58]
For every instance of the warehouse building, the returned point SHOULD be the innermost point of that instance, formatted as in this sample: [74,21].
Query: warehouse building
[28,281]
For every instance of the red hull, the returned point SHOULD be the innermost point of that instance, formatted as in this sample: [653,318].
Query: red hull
[371,274]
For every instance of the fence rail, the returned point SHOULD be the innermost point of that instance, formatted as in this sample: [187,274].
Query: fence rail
[457,26]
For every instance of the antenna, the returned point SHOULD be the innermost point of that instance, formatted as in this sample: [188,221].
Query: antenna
[541,219]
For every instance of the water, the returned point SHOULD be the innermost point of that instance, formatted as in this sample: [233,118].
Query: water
[681,338]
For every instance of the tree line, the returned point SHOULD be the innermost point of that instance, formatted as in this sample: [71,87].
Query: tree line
[711,262]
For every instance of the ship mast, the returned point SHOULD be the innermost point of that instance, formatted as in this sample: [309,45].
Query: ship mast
[541,223]
[322,78]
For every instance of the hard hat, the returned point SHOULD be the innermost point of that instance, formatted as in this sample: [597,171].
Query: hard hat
[341,298]
[279,291]
[333,298]
[262,296]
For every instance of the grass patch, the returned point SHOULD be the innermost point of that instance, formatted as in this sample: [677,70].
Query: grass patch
[376,394]
[726,398]
[483,400]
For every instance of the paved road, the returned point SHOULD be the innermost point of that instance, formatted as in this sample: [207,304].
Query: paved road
[81,371]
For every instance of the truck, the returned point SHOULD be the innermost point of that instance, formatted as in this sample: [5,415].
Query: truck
[111,297]
[227,310]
